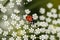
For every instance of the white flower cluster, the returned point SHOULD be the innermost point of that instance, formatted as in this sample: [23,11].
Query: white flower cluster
[29,0]
[18,2]
[20,29]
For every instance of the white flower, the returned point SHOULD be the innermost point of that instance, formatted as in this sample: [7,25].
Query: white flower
[37,31]
[5,33]
[18,3]
[43,37]
[29,0]
[52,37]
[3,38]
[21,22]
[6,23]
[35,16]
[14,34]
[42,30]
[49,5]
[53,31]
[13,22]
[47,31]
[43,24]
[49,14]
[31,30]
[1,31]
[3,9]
[13,16]
[1,6]
[16,11]
[18,26]
[59,7]
[57,29]
[25,37]
[11,38]
[53,10]
[46,36]
[42,10]
[54,15]
[50,27]
[48,19]
[42,17]
[54,22]
[17,18]
[38,23]
[58,21]
[33,37]
[11,4]
[34,25]
[10,28]
[4,17]
[26,27]
[18,38]
[23,32]
[27,11]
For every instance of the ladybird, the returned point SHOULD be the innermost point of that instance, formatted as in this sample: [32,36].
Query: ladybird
[29,18]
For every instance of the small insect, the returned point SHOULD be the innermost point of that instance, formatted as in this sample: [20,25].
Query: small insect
[29,18]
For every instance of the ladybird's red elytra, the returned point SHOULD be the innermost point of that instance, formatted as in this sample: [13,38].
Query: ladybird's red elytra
[29,18]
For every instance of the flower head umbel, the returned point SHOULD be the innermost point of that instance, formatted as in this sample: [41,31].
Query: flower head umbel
[19,23]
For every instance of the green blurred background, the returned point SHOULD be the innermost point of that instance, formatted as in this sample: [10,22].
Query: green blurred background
[35,5]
